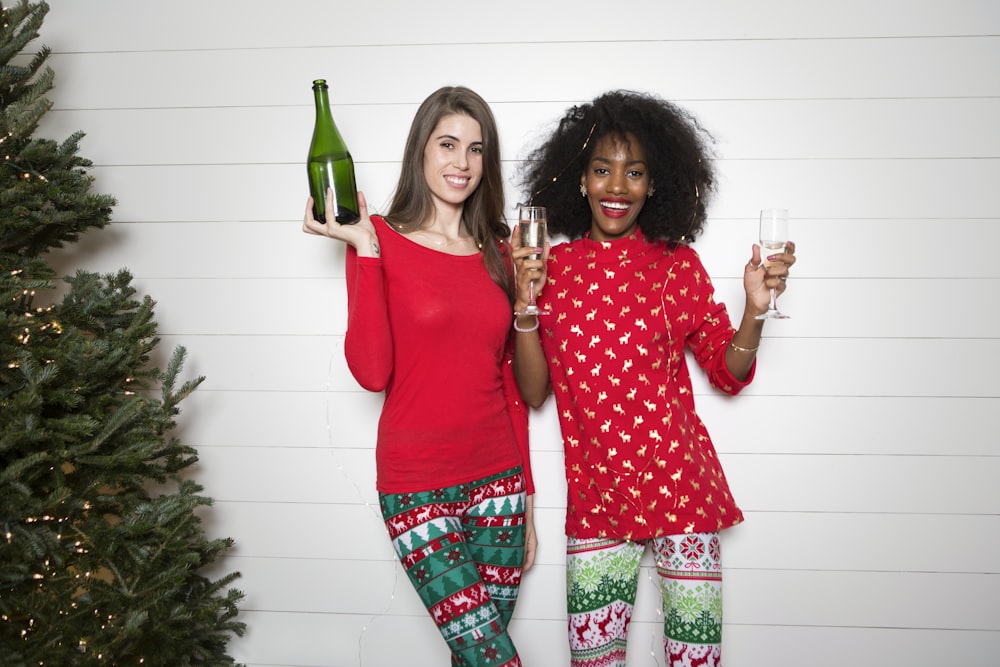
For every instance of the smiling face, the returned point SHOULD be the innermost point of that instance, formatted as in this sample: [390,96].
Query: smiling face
[617,183]
[453,160]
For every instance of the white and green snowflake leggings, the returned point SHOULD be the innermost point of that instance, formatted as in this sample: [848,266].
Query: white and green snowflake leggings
[602,577]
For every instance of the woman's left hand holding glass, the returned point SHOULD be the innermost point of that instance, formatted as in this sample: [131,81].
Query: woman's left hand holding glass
[760,277]
[529,273]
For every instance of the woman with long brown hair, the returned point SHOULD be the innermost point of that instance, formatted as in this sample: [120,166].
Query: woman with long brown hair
[430,312]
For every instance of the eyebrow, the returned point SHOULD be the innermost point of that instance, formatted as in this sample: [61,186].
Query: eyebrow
[454,138]
[598,158]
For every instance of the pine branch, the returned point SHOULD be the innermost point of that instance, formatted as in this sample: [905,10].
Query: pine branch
[101,544]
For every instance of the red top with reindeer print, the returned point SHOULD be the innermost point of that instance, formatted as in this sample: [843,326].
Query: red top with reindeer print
[639,461]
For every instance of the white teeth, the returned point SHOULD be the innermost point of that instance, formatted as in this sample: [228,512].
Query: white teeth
[616,205]
[456,181]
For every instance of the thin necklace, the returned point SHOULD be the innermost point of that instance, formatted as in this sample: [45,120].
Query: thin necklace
[443,243]
[447,242]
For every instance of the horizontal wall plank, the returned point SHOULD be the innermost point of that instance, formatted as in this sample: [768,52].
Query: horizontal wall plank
[869,541]
[751,69]
[811,425]
[863,542]
[812,189]
[755,599]
[287,530]
[364,640]
[232,307]
[280,419]
[865,483]
[369,641]
[255,363]
[796,598]
[900,600]
[374,640]
[849,308]
[834,308]
[863,367]
[860,647]
[280,249]
[760,482]
[856,188]
[874,250]
[885,425]
[313,22]
[291,531]
[209,250]
[876,367]
[742,129]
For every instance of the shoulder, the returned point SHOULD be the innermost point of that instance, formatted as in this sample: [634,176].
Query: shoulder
[565,249]
[386,232]
[680,252]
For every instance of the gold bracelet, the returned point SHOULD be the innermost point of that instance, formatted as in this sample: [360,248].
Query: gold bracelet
[736,347]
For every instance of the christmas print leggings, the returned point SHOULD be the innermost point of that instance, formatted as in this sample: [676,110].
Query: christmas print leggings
[602,577]
[463,549]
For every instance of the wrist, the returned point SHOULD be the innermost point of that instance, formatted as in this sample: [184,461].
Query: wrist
[750,325]
[745,350]
[368,248]
[525,323]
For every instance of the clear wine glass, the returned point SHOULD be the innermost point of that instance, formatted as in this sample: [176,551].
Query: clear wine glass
[773,236]
[531,230]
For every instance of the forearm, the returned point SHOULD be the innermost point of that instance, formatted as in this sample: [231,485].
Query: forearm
[530,369]
[742,351]
[368,345]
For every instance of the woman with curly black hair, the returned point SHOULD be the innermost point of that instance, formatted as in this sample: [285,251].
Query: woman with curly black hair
[627,178]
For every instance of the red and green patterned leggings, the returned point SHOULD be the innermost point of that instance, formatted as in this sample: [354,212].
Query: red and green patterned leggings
[602,577]
[463,549]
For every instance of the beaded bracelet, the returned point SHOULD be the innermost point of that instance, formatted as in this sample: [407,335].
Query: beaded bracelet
[743,349]
[528,330]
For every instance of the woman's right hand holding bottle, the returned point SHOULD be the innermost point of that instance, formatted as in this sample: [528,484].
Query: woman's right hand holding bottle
[361,235]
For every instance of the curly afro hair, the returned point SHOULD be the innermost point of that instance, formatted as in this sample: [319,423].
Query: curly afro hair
[676,148]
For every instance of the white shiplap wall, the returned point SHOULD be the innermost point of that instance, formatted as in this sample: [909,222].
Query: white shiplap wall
[865,454]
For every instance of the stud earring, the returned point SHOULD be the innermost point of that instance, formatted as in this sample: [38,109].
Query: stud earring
[583,190]
[651,192]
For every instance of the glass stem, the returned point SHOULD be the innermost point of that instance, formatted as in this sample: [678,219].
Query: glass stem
[773,306]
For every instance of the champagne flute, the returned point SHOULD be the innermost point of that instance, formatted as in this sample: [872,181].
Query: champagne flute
[773,236]
[532,233]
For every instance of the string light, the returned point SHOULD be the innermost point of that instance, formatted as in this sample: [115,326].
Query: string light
[26,172]
[361,496]
[656,634]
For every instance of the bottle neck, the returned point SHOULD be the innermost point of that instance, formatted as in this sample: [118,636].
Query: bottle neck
[322,101]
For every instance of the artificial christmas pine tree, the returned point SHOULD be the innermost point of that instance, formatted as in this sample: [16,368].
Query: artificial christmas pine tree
[101,547]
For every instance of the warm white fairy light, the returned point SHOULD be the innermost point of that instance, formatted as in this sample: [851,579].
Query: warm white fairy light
[361,495]
[653,648]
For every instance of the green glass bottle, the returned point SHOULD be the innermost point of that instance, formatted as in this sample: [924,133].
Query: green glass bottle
[330,165]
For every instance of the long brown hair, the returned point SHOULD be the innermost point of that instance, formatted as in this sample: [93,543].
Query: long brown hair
[483,211]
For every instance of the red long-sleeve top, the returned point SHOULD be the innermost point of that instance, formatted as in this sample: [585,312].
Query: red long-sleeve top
[639,461]
[432,330]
